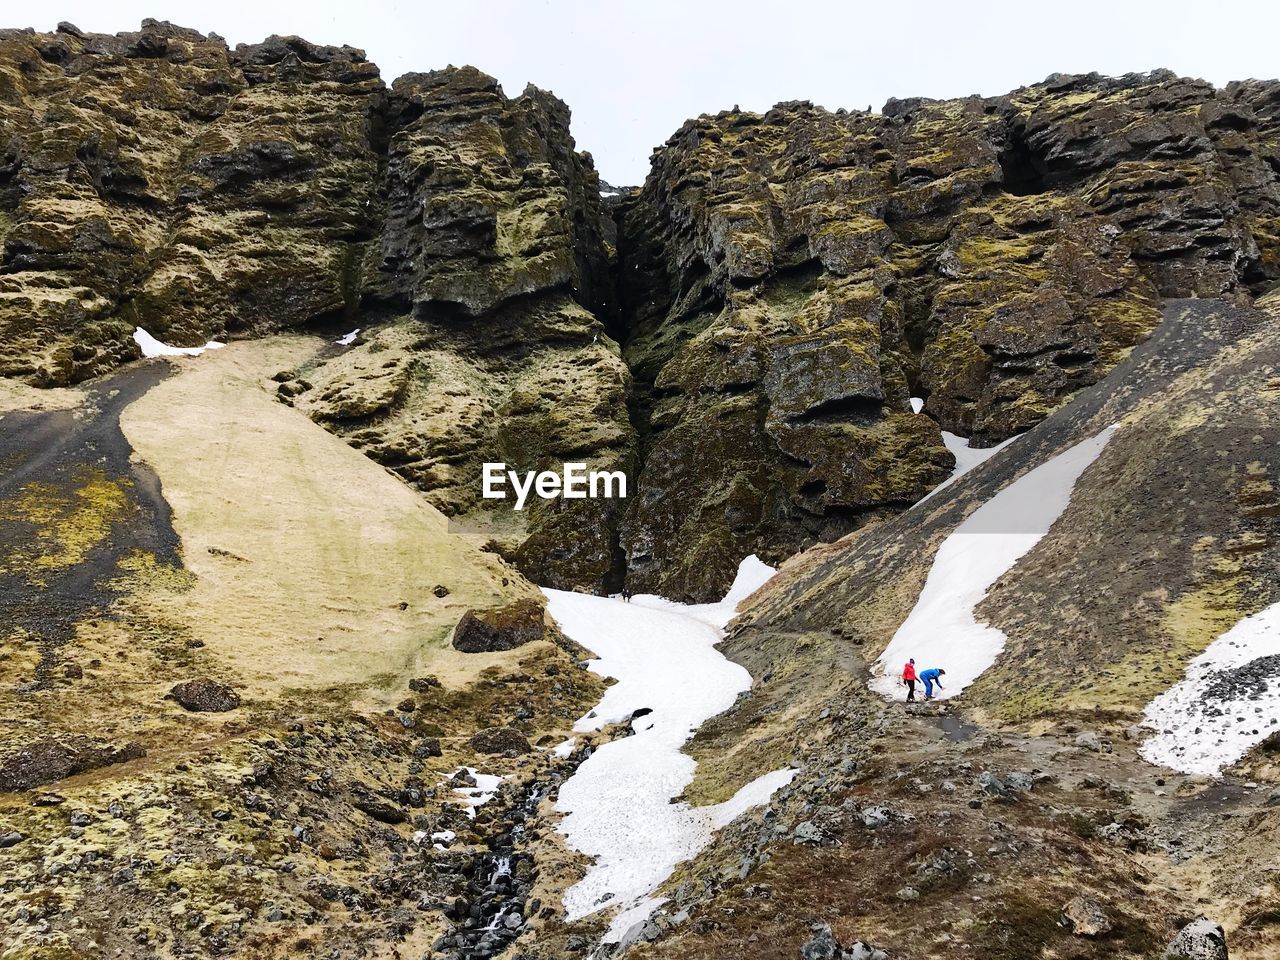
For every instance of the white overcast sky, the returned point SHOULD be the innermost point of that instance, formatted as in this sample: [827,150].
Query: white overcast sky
[634,71]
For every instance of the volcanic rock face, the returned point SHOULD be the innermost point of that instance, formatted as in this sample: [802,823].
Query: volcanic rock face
[782,285]
[790,279]
[493,245]
[158,179]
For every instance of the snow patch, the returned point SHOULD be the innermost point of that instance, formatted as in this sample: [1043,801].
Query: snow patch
[151,347]
[941,630]
[562,750]
[617,805]
[753,573]
[481,793]
[967,458]
[348,339]
[1228,701]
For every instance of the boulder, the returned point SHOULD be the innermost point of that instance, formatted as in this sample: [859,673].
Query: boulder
[379,808]
[1086,917]
[204,695]
[500,740]
[824,946]
[505,628]
[1201,939]
[427,747]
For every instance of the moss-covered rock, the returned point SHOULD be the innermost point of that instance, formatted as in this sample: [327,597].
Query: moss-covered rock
[991,256]
[158,178]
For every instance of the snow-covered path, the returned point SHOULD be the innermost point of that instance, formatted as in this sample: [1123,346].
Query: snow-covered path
[941,630]
[618,804]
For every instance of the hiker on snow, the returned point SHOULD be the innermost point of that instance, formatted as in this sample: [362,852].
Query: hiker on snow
[929,678]
[909,680]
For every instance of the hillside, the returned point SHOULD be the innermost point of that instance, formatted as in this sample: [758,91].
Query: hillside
[989,383]
[1036,782]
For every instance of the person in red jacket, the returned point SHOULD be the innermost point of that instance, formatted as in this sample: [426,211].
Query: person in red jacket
[909,679]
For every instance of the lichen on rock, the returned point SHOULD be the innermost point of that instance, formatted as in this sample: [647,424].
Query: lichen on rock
[789,279]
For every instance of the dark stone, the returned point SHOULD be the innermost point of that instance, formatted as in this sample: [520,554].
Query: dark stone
[485,631]
[500,740]
[49,759]
[379,808]
[204,695]
[427,747]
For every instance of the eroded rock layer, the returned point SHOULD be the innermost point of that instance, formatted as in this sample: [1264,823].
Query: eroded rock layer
[783,284]
[159,179]
[790,279]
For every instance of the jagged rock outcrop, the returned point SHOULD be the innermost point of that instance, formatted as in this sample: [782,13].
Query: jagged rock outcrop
[1167,540]
[784,283]
[159,179]
[789,279]
[493,247]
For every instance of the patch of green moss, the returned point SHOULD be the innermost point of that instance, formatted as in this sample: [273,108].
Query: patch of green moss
[68,522]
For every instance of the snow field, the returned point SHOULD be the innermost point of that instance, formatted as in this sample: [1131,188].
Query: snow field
[1228,701]
[617,805]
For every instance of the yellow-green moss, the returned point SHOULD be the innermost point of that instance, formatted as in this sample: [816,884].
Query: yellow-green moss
[69,522]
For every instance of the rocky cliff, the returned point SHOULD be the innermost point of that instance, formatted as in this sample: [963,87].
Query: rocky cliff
[259,697]
[790,279]
[782,286]
[159,179]
[493,271]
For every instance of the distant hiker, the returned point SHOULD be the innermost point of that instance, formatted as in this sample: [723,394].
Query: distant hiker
[626,595]
[929,678]
[909,680]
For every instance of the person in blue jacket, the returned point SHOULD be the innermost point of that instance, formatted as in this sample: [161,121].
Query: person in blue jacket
[930,677]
